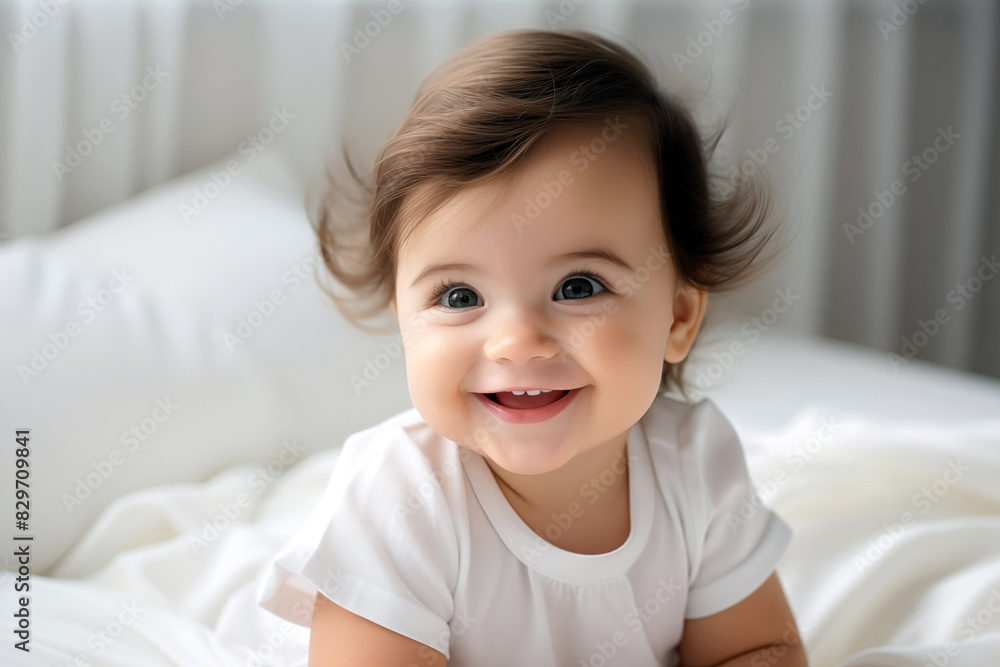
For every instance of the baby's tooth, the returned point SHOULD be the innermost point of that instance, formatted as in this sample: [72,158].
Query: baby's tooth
[518,393]
[534,392]
[546,391]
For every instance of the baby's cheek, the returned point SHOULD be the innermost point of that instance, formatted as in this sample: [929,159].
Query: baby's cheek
[619,343]
[628,359]
[436,382]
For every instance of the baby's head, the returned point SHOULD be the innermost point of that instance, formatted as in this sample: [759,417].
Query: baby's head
[543,219]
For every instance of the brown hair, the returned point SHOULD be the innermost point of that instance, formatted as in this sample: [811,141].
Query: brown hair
[480,112]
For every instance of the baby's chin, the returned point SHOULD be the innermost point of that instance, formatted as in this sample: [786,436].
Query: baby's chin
[526,458]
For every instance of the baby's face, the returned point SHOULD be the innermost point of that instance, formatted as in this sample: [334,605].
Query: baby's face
[528,311]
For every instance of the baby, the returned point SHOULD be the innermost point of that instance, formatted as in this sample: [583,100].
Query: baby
[543,229]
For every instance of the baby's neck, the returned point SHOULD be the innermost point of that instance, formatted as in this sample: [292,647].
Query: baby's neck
[582,507]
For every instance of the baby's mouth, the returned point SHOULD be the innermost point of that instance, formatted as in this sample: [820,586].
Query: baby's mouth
[524,401]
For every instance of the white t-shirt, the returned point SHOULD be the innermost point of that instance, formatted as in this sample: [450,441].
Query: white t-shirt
[414,533]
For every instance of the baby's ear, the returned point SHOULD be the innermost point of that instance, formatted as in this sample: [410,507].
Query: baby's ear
[689,309]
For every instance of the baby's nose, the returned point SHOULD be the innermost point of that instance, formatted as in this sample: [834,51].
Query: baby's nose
[520,337]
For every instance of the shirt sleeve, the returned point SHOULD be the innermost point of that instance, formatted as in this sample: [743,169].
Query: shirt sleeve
[743,538]
[382,544]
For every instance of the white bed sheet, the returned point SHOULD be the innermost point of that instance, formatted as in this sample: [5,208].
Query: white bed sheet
[840,477]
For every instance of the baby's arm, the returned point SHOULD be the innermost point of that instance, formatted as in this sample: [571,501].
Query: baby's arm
[341,638]
[760,630]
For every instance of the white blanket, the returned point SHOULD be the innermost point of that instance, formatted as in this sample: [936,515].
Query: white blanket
[877,573]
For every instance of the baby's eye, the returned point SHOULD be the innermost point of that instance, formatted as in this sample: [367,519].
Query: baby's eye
[457,298]
[578,287]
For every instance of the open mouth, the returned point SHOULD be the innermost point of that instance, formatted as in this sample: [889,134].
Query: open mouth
[526,409]
[524,401]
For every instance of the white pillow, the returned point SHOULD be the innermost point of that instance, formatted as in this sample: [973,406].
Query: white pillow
[153,343]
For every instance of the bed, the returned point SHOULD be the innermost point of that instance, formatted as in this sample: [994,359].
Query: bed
[186,386]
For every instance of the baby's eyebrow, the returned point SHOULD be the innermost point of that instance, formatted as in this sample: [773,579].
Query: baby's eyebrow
[596,253]
[438,268]
[589,253]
